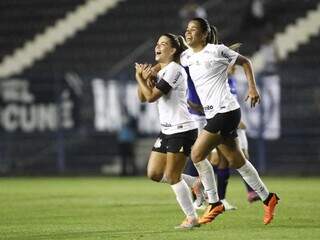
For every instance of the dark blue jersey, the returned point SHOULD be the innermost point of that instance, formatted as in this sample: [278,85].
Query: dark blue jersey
[192,95]
[233,85]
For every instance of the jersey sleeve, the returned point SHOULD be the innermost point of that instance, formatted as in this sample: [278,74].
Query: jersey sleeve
[173,76]
[227,55]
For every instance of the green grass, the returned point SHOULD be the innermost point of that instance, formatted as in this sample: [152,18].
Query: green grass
[136,208]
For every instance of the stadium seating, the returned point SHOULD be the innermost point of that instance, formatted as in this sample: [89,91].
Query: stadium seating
[300,113]
[95,50]
[22,20]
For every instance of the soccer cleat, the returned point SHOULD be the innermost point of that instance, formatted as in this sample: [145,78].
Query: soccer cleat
[253,196]
[199,193]
[269,208]
[188,223]
[227,205]
[211,213]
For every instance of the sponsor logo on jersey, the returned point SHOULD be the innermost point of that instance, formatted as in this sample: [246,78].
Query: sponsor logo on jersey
[179,74]
[208,107]
[226,56]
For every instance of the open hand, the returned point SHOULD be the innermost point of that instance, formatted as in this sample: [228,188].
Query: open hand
[253,96]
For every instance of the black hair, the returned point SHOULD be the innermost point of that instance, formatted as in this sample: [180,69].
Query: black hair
[178,43]
[214,35]
[207,28]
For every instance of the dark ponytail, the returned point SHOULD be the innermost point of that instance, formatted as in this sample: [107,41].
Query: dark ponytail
[178,43]
[213,35]
[209,29]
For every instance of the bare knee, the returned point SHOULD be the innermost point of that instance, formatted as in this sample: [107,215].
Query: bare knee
[196,155]
[214,158]
[155,176]
[172,178]
[236,161]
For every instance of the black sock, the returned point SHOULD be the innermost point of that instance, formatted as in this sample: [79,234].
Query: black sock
[215,204]
[222,181]
[266,202]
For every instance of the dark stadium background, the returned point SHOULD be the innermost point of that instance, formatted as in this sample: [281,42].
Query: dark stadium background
[48,116]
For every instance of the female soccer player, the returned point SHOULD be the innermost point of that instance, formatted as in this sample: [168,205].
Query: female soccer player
[208,64]
[219,162]
[178,130]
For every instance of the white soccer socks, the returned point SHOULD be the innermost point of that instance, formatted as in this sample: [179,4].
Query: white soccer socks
[183,196]
[251,176]
[208,180]
[190,180]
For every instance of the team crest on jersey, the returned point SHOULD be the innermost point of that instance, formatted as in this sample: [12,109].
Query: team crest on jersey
[157,144]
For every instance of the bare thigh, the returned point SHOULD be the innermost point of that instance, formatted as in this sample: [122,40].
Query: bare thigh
[204,144]
[175,165]
[156,165]
[230,149]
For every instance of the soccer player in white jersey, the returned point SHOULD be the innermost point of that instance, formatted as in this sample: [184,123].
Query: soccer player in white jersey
[208,65]
[221,166]
[178,130]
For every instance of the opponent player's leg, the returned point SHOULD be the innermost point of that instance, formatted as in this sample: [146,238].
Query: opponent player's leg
[231,150]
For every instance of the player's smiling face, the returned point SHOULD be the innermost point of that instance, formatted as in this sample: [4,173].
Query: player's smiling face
[163,50]
[194,36]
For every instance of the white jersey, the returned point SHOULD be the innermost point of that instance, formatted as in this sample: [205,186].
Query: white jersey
[208,71]
[173,109]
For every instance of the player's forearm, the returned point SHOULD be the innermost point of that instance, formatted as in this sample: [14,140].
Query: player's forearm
[247,67]
[248,70]
[142,98]
[146,91]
